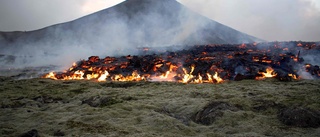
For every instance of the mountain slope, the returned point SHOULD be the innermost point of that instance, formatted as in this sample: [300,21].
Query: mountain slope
[119,29]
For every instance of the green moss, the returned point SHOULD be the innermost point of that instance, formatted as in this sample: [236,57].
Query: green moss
[78,90]
[92,127]
[151,109]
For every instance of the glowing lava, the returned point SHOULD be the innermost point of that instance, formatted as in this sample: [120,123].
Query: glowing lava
[270,73]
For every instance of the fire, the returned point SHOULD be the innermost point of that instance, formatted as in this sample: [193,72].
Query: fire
[187,76]
[198,64]
[77,75]
[133,77]
[199,80]
[293,76]
[266,61]
[214,77]
[51,75]
[268,74]
[104,76]
[243,46]
[230,56]
[171,75]
[168,75]
[255,59]
[307,66]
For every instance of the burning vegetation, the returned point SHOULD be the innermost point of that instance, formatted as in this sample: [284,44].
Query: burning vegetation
[200,64]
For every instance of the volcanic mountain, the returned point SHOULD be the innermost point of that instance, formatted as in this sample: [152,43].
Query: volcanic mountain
[118,30]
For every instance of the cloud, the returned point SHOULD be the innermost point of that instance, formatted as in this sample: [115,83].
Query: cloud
[25,15]
[267,19]
[90,6]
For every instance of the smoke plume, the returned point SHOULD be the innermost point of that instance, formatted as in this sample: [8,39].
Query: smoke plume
[116,31]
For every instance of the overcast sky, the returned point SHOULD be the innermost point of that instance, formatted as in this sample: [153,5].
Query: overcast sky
[271,20]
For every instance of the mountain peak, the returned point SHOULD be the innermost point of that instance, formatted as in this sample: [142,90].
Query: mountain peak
[149,1]
[121,28]
[150,5]
[139,2]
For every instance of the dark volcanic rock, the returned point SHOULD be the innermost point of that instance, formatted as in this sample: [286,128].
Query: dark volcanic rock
[46,99]
[58,133]
[262,105]
[31,133]
[211,111]
[299,117]
[239,77]
[183,118]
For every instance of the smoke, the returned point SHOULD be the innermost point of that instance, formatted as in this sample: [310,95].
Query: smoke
[272,20]
[305,75]
[113,32]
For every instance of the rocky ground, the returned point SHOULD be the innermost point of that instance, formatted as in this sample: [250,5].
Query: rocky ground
[44,107]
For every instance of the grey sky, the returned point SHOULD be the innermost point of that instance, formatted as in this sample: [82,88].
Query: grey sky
[267,19]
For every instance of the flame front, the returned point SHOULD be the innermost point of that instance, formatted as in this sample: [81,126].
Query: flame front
[200,64]
[268,74]
[104,76]
[171,75]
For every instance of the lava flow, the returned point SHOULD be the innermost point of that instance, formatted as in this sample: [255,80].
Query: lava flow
[199,64]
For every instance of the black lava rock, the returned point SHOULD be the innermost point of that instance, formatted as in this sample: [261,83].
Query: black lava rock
[299,117]
[211,111]
[31,133]
[58,133]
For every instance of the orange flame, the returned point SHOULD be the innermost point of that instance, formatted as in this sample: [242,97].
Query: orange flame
[268,74]
[293,76]
[213,78]
[133,77]
[104,76]
[187,76]
[51,75]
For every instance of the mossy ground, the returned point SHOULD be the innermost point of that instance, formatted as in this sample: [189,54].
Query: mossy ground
[151,108]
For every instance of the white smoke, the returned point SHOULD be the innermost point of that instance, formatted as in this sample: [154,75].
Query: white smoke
[110,32]
[305,75]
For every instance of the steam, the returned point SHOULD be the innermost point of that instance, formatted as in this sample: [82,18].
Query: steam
[312,59]
[305,75]
[114,32]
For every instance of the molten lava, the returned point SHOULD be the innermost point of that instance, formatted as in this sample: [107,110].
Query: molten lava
[198,64]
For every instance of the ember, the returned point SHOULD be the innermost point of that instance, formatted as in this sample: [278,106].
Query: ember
[199,64]
[268,74]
